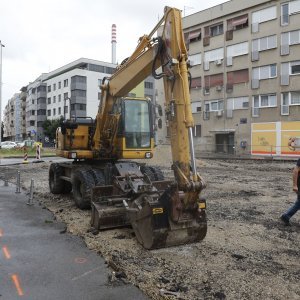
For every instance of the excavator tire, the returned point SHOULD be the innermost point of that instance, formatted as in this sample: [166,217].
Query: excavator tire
[56,184]
[98,176]
[147,171]
[158,174]
[67,187]
[82,182]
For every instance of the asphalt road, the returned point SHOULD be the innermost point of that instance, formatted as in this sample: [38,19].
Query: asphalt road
[38,261]
[13,161]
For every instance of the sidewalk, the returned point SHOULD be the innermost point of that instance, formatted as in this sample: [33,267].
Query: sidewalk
[38,261]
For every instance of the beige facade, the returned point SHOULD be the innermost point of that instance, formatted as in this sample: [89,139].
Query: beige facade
[245,58]
[14,117]
[9,119]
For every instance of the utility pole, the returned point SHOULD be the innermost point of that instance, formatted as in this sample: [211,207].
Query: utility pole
[1,45]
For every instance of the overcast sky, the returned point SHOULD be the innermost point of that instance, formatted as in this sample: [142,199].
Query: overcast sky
[42,35]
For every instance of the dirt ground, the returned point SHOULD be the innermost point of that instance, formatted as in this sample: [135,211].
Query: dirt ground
[247,253]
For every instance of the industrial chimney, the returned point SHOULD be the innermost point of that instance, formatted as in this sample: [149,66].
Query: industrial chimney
[113,43]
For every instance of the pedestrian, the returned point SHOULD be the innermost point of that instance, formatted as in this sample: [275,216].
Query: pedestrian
[285,217]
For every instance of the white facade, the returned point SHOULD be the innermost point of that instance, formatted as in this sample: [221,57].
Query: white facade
[76,86]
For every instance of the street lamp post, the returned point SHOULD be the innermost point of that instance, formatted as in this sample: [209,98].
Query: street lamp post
[1,45]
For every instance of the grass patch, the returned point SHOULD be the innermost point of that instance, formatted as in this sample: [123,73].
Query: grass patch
[6,153]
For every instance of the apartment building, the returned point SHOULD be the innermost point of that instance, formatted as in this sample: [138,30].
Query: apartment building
[73,89]
[245,91]
[36,108]
[14,117]
[9,119]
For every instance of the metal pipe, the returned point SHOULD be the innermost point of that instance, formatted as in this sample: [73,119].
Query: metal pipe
[5,178]
[1,45]
[31,192]
[192,152]
[18,187]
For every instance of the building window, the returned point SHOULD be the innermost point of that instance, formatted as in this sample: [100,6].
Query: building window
[66,83]
[54,111]
[196,107]
[215,55]
[197,131]
[49,112]
[49,100]
[237,23]
[265,43]
[285,14]
[214,105]
[264,72]
[238,103]
[213,81]
[65,96]
[59,98]
[148,85]
[216,29]
[49,88]
[236,50]
[235,77]
[196,83]
[263,101]
[289,99]
[32,123]
[66,109]
[59,85]
[33,112]
[54,86]
[264,15]
[194,36]
[195,59]
[32,101]
[287,9]
[54,99]
[59,110]
[295,68]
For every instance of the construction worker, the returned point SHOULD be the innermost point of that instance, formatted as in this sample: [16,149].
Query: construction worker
[285,217]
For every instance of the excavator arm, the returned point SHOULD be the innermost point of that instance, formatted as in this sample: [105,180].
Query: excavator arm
[162,213]
[169,52]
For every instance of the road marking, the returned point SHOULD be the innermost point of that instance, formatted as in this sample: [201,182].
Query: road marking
[6,252]
[16,282]
[80,260]
[86,273]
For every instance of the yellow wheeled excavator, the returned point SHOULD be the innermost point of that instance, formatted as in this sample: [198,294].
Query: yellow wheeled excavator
[103,175]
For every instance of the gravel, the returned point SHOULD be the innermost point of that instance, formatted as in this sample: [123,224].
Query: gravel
[247,253]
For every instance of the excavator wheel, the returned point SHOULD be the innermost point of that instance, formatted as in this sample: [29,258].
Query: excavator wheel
[67,187]
[98,176]
[56,184]
[158,174]
[82,182]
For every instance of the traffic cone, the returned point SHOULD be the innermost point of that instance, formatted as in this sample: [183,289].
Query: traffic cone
[38,152]
[25,161]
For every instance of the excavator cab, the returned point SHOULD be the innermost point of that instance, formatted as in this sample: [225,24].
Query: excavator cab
[135,136]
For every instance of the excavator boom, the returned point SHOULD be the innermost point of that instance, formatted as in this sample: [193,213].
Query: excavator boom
[161,213]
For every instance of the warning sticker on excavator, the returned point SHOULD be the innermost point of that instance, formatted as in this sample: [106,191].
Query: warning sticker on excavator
[157,210]
[202,205]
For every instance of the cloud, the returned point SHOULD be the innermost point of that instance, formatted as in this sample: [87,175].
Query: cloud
[41,36]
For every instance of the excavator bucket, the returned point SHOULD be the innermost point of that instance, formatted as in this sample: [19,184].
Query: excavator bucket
[157,216]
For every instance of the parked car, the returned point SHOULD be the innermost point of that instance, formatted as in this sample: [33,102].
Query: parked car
[8,145]
[20,144]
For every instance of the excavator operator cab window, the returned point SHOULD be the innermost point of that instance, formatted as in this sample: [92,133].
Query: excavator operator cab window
[137,124]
